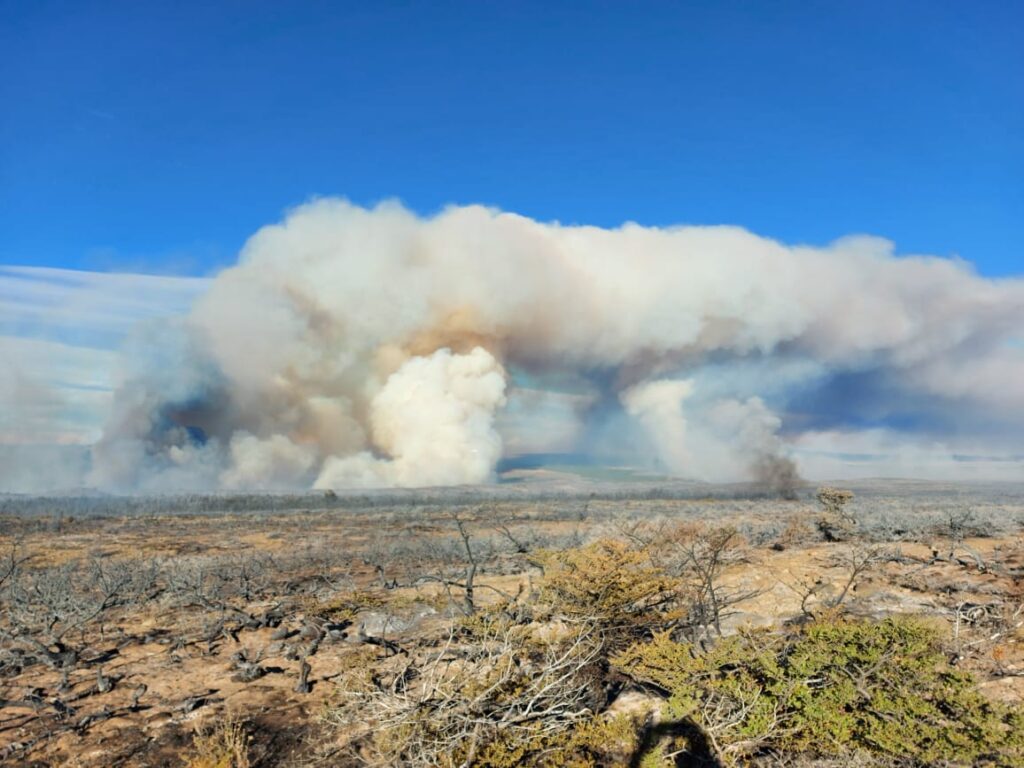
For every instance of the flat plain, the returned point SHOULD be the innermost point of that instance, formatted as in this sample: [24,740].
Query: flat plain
[265,630]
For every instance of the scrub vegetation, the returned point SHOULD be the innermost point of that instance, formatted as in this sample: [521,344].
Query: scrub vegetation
[881,627]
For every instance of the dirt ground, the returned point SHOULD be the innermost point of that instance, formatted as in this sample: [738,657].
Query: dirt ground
[150,673]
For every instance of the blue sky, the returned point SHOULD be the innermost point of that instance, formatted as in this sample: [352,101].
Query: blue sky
[157,136]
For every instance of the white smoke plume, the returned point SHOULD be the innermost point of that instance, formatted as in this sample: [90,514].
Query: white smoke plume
[364,347]
[658,406]
[274,462]
[720,441]
[434,421]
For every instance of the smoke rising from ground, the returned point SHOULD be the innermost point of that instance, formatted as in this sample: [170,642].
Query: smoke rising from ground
[373,347]
[434,422]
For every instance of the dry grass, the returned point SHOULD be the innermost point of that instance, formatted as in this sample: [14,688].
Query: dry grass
[224,744]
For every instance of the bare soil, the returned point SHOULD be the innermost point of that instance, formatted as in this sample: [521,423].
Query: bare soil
[172,662]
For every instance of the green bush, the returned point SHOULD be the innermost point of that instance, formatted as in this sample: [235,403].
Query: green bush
[835,687]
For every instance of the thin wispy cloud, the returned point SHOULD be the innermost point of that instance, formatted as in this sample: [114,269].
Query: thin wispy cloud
[60,335]
[94,309]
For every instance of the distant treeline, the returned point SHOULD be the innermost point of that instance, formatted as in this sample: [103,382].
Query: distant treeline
[94,505]
[106,505]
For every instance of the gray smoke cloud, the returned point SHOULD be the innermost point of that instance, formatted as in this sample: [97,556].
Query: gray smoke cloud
[374,347]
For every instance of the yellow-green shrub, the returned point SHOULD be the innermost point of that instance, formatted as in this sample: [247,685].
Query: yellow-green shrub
[610,584]
[835,687]
[598,741]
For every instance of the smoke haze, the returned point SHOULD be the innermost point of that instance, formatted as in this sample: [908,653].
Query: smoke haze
[374,347]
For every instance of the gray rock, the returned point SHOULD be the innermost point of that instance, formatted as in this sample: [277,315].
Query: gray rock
[377,623]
